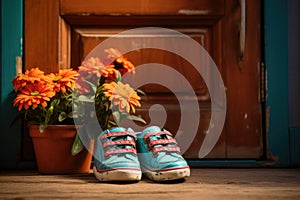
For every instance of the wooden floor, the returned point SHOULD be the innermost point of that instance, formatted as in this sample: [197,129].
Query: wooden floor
[203,184]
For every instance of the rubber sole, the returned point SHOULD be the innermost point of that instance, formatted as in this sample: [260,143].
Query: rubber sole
[166,175]
[118,175]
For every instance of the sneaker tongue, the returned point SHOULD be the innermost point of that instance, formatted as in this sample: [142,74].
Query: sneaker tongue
[152,129]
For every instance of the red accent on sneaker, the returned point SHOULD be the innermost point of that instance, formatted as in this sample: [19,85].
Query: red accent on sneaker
[162,141]
[168,149]
[113,134]
[118,151]
[120,142]
[147,135]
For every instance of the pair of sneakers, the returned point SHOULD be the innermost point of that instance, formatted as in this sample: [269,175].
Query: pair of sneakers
[124,155]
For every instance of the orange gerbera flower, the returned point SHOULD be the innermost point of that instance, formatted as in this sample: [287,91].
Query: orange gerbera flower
[127,66]
[113,53]
[94,66]
[122,95]
[121,63]
[64,80]
[92,61]
[30,76]
[37,93]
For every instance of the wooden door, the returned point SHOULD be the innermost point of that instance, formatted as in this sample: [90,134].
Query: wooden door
[61,33]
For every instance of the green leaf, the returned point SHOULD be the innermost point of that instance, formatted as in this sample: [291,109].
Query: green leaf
[42,128]
[93,86]
[62,116]
[75,114]
[111,123]
[55,102]
[140,92]
[99,89]
[136,118]
[86,98]
[119,77]
[117,116]
[49,113]
[77,146]
[70,115]
[78,110]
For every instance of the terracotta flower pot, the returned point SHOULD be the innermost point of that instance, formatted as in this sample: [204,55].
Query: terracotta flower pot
[53,150]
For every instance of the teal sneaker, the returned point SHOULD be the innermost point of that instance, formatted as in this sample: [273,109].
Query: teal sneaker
[159,155]
[116,157]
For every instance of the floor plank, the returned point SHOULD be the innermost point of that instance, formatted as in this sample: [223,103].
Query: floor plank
[203,183]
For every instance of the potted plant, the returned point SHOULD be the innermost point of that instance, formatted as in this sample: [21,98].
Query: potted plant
[45,102]
[50,103]
[100,94]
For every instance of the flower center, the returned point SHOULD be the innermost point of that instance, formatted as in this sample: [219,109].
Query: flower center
[56,79]
[35,93]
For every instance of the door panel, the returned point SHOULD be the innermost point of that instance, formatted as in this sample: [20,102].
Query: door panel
[86,39]
[81,26]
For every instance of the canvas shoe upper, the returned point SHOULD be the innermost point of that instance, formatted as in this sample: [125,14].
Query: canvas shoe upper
[159,155]
[116,157]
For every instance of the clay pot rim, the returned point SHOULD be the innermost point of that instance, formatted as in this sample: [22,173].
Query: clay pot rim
[53,131]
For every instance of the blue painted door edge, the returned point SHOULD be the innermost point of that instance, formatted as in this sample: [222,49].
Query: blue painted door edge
[276,62]
[11,37]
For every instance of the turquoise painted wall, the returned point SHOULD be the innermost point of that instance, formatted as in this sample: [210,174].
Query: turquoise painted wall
[11,35]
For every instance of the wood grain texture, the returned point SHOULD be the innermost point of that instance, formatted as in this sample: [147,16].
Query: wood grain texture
[142,7]
[211,184]
[41,33]
[242,78]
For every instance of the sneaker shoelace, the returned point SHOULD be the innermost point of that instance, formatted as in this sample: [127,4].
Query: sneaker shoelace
[117,143]
[161,142]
